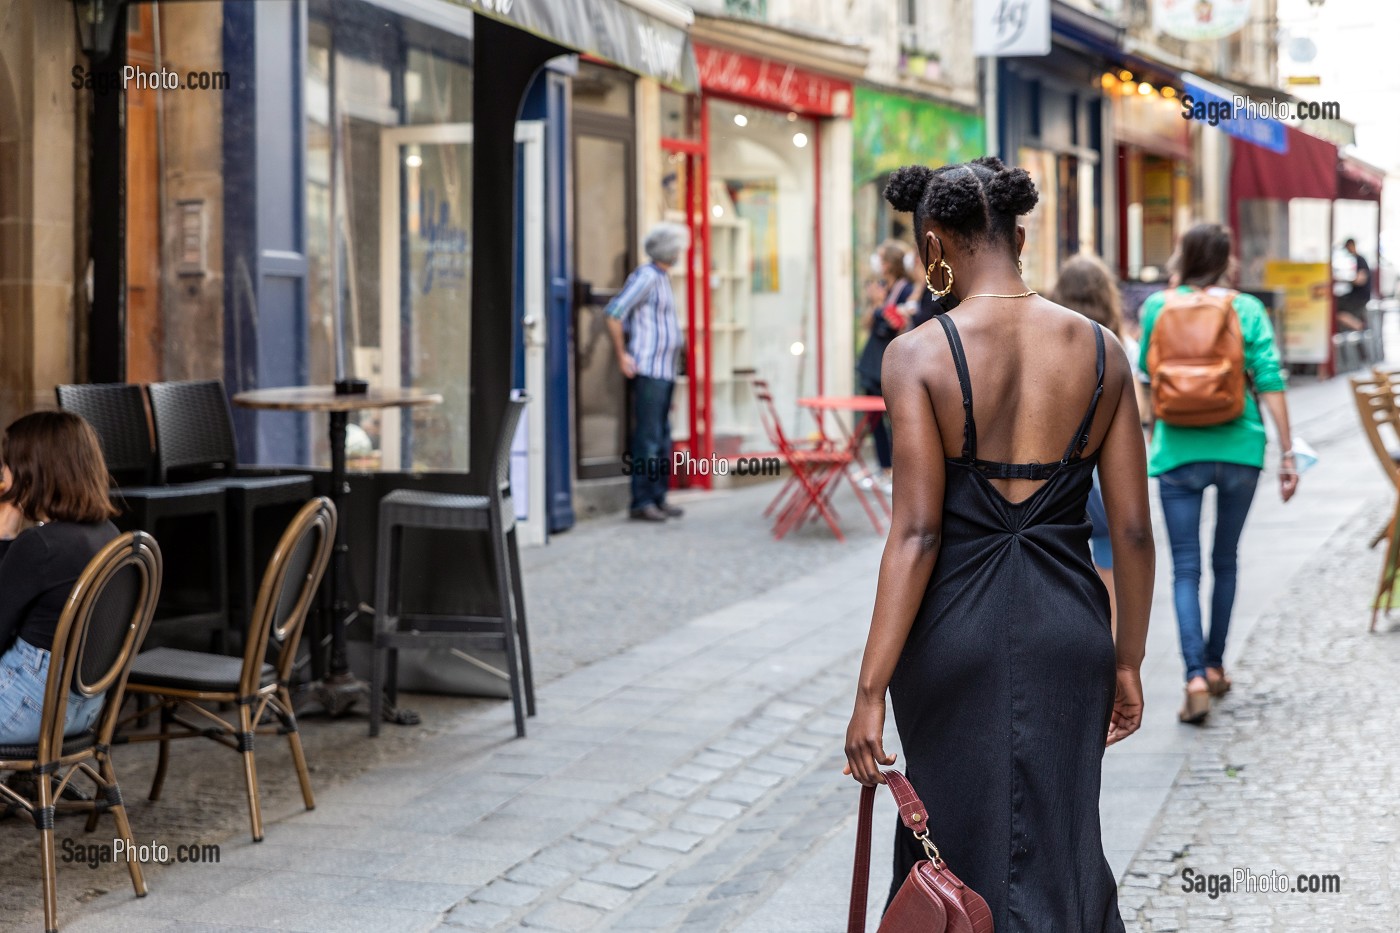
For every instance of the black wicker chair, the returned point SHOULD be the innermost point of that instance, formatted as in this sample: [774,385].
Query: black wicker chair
[394,629]
[195,442]
[117,412]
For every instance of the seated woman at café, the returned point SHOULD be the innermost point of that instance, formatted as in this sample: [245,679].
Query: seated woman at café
[54,481]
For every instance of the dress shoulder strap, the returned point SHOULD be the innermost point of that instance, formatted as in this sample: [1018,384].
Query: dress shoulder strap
[1081,437]
[969,449]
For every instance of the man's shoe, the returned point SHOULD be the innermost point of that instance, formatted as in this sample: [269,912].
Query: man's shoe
[648,513]
[672,511]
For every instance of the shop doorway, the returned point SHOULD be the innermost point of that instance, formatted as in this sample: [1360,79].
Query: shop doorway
[604,234]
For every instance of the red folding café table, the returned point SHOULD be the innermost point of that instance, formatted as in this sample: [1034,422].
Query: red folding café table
[864,409]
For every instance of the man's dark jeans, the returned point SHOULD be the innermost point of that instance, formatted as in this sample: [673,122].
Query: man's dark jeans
[651,440]
[1181,490]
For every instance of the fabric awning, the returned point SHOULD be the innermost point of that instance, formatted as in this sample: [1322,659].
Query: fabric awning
[1357,181]
[1307,170]
[649,37]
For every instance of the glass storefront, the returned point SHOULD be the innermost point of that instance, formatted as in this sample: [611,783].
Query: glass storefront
[1062,223]
[763,279]
[388,227]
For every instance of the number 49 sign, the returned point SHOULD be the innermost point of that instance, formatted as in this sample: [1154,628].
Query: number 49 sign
[1005,28]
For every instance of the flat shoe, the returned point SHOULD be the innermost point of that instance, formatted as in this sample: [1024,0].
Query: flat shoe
[1219,686]
[1197,707]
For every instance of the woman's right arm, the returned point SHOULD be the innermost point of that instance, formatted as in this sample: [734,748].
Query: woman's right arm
[911,550]
[1123,479]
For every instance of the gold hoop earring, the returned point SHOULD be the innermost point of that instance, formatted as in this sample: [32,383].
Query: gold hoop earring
[928,278]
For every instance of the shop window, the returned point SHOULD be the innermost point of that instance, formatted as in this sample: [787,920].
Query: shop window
[389,227]
[174,197]
[600,89]
[680,115]
[762,202]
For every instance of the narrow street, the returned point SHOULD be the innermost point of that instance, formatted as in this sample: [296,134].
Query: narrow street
[684,770]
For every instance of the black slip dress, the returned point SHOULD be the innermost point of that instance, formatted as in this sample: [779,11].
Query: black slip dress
[1004,690]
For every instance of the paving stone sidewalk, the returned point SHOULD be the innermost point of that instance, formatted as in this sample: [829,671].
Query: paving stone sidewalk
[666,788]
[1296,770]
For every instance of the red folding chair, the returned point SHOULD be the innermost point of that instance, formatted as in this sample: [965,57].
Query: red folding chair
[814,468]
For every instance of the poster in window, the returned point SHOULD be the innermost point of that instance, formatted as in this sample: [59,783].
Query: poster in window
[756,202]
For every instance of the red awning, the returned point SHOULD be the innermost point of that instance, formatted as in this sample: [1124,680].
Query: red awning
[1307,170]
[1357,181]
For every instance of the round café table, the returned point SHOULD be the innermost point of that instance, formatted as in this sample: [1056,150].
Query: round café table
[339,689]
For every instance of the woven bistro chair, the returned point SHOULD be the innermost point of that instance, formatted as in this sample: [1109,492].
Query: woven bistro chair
[103,623]
[184,683]
[195,440]
[117,413]
[1378,405]
[394,629]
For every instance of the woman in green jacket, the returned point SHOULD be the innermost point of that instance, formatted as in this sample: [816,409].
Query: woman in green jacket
[1228,456]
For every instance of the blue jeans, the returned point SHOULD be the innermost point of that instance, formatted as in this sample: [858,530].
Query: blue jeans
[651,440]
[24,672]
[1100,543]
[1181,490]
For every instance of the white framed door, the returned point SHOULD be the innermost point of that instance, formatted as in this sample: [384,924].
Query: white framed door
[527,454]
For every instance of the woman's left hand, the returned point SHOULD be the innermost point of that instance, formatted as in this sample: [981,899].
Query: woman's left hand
[865,743]
[1127,705]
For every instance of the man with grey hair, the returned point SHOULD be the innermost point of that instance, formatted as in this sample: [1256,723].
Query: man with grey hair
[646,336]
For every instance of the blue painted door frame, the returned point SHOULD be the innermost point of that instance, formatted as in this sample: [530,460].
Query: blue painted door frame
[548,100]
[265,330]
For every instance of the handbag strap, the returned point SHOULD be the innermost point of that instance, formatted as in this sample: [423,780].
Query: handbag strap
[914,816]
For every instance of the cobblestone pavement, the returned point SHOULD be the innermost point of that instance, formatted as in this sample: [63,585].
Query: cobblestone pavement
[667,788]
[1295,772]
[593,592]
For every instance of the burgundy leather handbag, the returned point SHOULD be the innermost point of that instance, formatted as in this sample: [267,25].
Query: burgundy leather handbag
[932,899]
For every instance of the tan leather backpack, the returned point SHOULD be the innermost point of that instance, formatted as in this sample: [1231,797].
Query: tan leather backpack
[1195,357]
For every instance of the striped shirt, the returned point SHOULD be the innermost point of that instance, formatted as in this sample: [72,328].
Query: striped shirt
[647,310]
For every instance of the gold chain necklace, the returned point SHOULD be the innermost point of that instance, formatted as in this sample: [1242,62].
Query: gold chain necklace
[1025,294]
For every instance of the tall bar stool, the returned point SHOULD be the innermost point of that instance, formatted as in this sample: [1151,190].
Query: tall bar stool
[394,629]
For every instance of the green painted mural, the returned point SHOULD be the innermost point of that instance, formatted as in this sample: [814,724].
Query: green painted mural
[891,130]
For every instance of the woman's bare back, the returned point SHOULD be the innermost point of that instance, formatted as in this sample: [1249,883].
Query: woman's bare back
[1031,364]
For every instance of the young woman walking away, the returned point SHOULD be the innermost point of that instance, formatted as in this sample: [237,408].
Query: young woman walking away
[991,628]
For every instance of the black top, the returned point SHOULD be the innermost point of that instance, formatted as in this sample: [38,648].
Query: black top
[37,571]
[1355,300]
[881,333]
[1004,689]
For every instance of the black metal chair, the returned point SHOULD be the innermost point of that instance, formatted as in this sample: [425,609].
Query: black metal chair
[103,624]
[195,442]
[117,413]
[394,629]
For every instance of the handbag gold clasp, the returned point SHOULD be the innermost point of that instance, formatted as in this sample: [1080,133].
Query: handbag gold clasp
[930,849]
